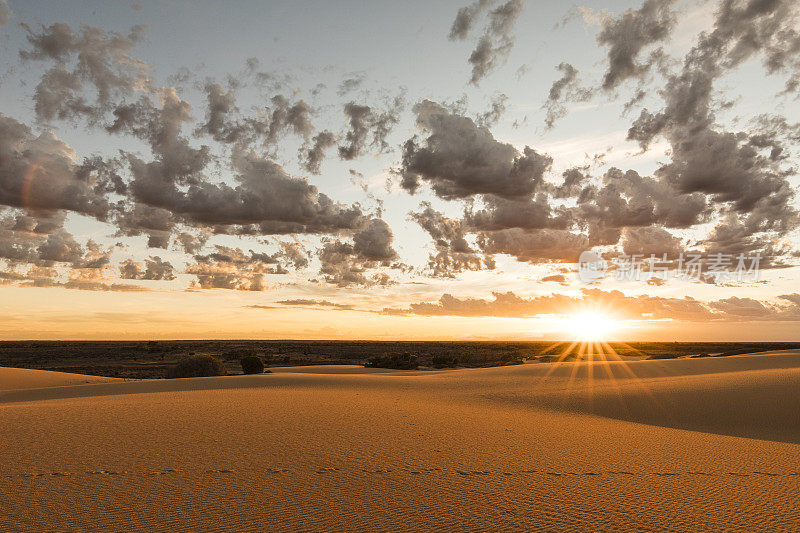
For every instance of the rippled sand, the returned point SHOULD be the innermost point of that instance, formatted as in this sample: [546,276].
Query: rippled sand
[676,445]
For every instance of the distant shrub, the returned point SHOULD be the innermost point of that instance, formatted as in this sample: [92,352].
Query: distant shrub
[443,360]
[252,365]
[196,366]
[398,362]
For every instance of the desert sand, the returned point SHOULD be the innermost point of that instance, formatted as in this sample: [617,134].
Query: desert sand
[707,444]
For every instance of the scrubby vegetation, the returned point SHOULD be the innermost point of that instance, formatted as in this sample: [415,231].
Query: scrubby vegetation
[399,362]
[195,366]
[252,365]
[152,359]
[444,361]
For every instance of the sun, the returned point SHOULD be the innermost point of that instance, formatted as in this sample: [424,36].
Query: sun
[590,326]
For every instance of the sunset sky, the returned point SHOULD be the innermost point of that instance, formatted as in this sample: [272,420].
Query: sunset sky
[397,170]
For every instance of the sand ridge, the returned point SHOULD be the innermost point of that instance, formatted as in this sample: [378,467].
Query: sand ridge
[683,445]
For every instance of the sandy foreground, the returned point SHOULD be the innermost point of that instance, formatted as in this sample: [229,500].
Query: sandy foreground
[674,445]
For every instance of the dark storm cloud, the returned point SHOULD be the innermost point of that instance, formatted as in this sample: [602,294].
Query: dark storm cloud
[460,159]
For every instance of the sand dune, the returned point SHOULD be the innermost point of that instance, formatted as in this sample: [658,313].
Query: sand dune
[24,378]
[675,445]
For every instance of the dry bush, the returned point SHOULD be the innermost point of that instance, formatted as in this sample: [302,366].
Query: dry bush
[196,366]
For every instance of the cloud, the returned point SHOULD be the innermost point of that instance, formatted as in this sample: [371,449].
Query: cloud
[224,124]
[5,13]
[629,34]
[343,264]
[43,242]
[101,59]
[40,172]
[499,213]
[651,240]
[741,307]
[496,110]
[742,174]
[363,120]
[221,104]
[564,89]
[627,199]
[536,246]
[494,46]
[311,157]
[314,303]
[233,269]
[155,222]
[465,18]
[264,195]
[460,159]
[452,254]
[350,84]
[641,307]
[154,268]
[289,116]
[190,243]
[294,254]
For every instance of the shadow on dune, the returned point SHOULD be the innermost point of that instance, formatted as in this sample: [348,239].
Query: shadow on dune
[752,397]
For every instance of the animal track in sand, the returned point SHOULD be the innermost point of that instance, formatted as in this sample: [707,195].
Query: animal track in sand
[414,471]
